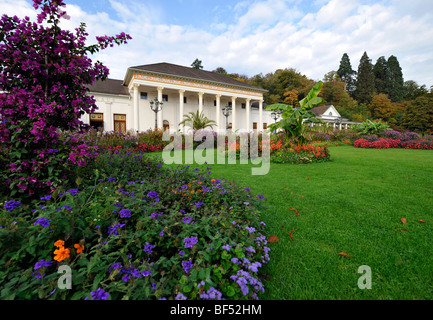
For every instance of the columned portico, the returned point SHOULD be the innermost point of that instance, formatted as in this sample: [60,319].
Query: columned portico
[248,115]
[135,107]
[218,112]
[234,119]
[181,90]
[181,107]
[200,102]
[161,111]
[260,116]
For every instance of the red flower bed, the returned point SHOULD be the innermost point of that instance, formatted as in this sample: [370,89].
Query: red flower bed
[394,143]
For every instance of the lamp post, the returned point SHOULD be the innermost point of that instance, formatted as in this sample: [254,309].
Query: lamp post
[275,115]
[339,120]
[227,111]
[156,106]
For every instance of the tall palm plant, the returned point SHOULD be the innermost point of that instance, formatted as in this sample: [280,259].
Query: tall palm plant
[294,120]
[197,120]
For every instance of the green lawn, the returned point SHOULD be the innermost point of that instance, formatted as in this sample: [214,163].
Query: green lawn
[352,204]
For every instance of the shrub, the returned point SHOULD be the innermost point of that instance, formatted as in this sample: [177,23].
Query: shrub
[392,143]
[301,154]
[140,231]
[44,79]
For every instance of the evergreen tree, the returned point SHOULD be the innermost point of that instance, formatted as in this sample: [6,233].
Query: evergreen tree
[379,70]
[365,84]
[394,80]
[347,74]
[197,64]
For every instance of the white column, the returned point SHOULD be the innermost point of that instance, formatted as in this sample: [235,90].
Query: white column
[160,126]
[200,102]
[218,112]
[135,113]
[108,117]
[234,127]
[248,108]
[181,97]
[260,116]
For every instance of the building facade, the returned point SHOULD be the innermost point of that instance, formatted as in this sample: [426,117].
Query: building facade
[332,118]
[125,105]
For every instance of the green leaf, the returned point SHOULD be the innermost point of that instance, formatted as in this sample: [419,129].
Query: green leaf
[187,288]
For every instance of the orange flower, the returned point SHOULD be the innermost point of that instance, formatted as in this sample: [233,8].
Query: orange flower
[80,248]
[61,254]
[59,243]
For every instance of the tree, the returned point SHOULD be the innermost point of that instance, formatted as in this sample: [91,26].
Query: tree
[381,107]
[365,82]
[347,74]
[44,79]
[220,70]
[294,120]
[197,64]
[197,121]
[333,88]
[291,97]
[394,80]
[412,90]
[380,72]
[419,114]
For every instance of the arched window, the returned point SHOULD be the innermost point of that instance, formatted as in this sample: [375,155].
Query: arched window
[330,113]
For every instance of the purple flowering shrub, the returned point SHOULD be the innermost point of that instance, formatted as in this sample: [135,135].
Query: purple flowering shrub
[147,231]
[44,79]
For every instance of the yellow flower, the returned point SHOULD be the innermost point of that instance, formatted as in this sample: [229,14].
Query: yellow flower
[80,248]
[61,254]
[59,243]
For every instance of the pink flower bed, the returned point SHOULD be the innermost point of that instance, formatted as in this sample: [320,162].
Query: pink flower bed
[384,143]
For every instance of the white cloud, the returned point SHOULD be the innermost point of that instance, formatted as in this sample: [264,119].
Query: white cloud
[265,35]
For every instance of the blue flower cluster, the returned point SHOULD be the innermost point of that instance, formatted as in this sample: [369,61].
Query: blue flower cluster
[12,204]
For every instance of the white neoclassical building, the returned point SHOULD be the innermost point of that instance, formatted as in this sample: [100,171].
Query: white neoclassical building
[124,105]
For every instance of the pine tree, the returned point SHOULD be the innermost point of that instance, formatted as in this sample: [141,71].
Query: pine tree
[365,84]
[347,74]
[379,70]
[197,64]
[394,80]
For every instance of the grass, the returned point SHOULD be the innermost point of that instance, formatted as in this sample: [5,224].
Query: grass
[352,204]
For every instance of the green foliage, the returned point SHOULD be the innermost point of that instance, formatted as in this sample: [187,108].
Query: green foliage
[394,80]
[197,120]
[371,127]
[347,74]
[133,218]
[294,120]
[365,82]
[197,64]
[419,114]
[380,71]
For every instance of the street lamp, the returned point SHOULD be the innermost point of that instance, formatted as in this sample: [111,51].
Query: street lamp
[275,115]
[339,121]
[156,106]
[227,111]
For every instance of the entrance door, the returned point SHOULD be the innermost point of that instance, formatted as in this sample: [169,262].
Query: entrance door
[166,125]
[97,121]
[120,123]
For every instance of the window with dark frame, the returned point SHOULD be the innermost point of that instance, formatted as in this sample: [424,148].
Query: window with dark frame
[143,95]
[165,97]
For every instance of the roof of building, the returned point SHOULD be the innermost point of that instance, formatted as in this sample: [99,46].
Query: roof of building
[318,111]
[197,74]
[110,86]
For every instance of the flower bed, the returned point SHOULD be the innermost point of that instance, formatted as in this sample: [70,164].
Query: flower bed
[300,154]
[385,143]
[133,229]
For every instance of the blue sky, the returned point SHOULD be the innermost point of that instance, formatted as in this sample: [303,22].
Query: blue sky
[257,36]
